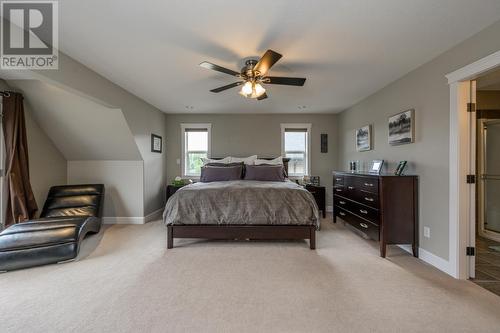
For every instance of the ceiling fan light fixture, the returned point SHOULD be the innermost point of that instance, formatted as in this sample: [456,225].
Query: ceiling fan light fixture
[247,88]
[259,90]
[252,90]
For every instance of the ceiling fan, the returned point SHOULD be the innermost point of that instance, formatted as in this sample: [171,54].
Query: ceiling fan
[253,76]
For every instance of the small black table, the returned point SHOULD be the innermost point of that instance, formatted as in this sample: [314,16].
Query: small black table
[319,194]
[171,189]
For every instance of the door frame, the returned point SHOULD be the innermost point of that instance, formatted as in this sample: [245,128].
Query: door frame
[462,157]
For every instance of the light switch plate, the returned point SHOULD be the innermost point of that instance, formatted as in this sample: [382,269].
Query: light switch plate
[427,232]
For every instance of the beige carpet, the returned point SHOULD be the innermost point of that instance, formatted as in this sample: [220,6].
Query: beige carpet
[126,281]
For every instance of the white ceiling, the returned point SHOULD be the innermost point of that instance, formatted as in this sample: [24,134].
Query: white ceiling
[347,49]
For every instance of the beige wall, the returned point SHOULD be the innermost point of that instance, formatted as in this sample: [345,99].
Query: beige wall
[124,184]
[488,100]
[142,118]
[244,135]
[426,90]
[47,164]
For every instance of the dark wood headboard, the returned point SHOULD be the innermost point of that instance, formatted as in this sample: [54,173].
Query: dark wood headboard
[285,161]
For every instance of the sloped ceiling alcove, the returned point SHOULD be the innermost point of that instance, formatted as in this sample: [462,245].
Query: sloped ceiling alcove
[79,127]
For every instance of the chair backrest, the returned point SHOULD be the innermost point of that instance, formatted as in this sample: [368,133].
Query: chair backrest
[74,200]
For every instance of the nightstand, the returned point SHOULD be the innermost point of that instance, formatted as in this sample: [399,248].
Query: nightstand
[319,194]
[171,189]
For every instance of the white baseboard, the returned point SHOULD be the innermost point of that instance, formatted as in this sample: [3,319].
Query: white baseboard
[123,220]
[430,258]
[156,215]
[329,209]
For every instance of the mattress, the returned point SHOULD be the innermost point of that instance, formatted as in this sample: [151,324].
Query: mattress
[242,202]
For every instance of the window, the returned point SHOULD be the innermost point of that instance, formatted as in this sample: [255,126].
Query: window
[296,144]
[195,144]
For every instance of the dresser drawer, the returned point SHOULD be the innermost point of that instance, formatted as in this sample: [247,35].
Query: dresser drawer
[338,180]
[369,184]
[368,213]
[367,198]
[369,229]
[339,190]
[341,202]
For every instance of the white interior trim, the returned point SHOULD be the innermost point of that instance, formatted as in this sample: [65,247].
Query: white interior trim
[208,126]
[307,126]
[156,215]
[431,259]
[475,69]
[461,203]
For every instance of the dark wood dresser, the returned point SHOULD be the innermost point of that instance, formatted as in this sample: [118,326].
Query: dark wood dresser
[383,207]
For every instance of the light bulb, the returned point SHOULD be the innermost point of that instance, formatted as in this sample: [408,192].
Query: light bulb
[259,89]
[247,88]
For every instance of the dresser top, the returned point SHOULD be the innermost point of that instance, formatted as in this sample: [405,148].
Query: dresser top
[370,174]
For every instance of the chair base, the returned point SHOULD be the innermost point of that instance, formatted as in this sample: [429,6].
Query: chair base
[44,241]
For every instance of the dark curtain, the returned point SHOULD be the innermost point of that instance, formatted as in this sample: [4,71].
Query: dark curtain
[21,204]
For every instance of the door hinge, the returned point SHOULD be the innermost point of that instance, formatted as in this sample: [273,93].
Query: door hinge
[471,179]
[471,251]
[471,107]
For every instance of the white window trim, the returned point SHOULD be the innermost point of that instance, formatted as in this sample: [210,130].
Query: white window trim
[296,125]
[208,126]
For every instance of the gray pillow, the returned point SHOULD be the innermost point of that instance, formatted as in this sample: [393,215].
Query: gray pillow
[232,164]
[220,173]
[272,173]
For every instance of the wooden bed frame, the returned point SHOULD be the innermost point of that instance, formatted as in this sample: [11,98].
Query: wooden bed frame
[243,232]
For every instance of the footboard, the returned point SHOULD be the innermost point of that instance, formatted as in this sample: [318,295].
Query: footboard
[230,232]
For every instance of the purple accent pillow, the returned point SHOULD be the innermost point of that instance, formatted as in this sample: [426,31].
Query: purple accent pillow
[272,173]
[225,165]
[220,173]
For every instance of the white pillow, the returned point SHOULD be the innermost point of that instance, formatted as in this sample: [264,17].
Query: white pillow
[206,160]
[276,161]
[246,160]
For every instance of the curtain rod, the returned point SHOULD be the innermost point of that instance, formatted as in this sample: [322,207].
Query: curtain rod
[5,93]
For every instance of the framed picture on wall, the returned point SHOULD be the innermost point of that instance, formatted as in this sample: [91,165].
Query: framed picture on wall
[402,128]
[364,138]
[156,143]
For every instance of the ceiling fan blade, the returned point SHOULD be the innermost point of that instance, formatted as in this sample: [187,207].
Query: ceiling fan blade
[229,86]
[267,61]
[289,81]
[261,97]
[209,65]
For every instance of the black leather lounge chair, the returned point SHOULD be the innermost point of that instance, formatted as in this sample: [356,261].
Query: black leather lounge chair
[69,213]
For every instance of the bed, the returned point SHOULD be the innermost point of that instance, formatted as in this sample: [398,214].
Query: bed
[242,209]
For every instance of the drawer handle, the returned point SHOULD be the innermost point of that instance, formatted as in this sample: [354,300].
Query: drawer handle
[341,213]
[364,225]
[338,190]
[362,211]
[350,187]
[342,202]
[338,179]
[369,184]
[369,199]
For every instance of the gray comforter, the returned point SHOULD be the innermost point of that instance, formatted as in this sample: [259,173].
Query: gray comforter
[242,202]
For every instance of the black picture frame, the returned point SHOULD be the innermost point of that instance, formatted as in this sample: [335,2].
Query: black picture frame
[376,166]
[324,143]
[156,143]
[400,168]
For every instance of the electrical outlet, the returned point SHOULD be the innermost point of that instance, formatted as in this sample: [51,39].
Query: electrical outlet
[427,232]
[178,161]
